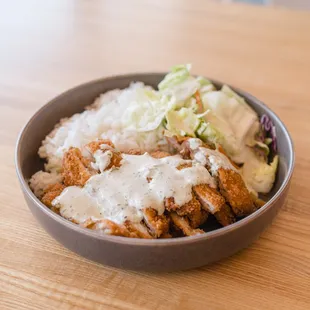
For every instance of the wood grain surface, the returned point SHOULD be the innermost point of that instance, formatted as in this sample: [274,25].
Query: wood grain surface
[49,46]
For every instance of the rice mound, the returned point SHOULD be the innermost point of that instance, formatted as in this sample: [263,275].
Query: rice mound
[103,119]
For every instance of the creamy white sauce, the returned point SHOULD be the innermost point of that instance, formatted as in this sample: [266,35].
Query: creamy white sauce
[74,196]
[102,160]
[141,182]
[213,158]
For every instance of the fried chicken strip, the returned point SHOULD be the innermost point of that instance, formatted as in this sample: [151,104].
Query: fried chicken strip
[183,224]
[214,202]
[257,201]
[139,230]
[51,192]
[192,210]
[232,187]
[134,152]
[75,168]
[235,191]
[104,146]
[93,146]
[110,228]
[159,154]
[158,225]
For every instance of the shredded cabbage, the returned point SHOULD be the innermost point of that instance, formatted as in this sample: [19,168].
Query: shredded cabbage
[179,83]
[183,122]
[191,106]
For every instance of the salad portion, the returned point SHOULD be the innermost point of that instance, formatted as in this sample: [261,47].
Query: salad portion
[190,106]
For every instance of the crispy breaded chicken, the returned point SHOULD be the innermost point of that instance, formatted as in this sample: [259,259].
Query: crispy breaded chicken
[170,204]
[158,225]
[210,199]
[116,157]
[183,224]
[196,215]
[159,154]
[166,236]
[92,147]
[198,218]
[235,191]
[75,168]
[189,208]
[138,229]
[193,211]
[214,202]
[110,228]
[51,192]
[184,166]
[134,152]
[232,199]
[257,201]
[225,216]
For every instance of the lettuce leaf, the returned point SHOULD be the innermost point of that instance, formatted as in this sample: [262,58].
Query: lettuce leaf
[183,122]
[259,174]
[146,110]
[179,83]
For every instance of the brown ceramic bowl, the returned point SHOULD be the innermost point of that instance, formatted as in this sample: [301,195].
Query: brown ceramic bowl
[140,254]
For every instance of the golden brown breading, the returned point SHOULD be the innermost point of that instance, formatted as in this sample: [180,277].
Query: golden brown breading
[127,230]
[89,223]
[184,166]
[183,224]
[190,207]
[170,204]
[225,216]
[50,193]
[257,201]
[95,145]
[139,230]
[213,202]
[75,168]
[56,210]
[166,236]
[159,154]
[197,218]
[235,191]
[116,156]
[192,210]
[115,160]
[134,152]
[111,228]
[158,225]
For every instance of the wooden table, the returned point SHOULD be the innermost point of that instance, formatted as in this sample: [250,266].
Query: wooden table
[47,47]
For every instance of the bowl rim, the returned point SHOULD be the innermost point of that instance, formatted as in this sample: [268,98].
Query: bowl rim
[150,242]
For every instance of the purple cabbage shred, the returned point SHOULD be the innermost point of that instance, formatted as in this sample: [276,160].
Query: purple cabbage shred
[270,130]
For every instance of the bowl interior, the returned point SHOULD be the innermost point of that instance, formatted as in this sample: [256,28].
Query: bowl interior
[76,99]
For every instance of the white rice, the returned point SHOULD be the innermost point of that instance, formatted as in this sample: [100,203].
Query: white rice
[41,180]
[103,119]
